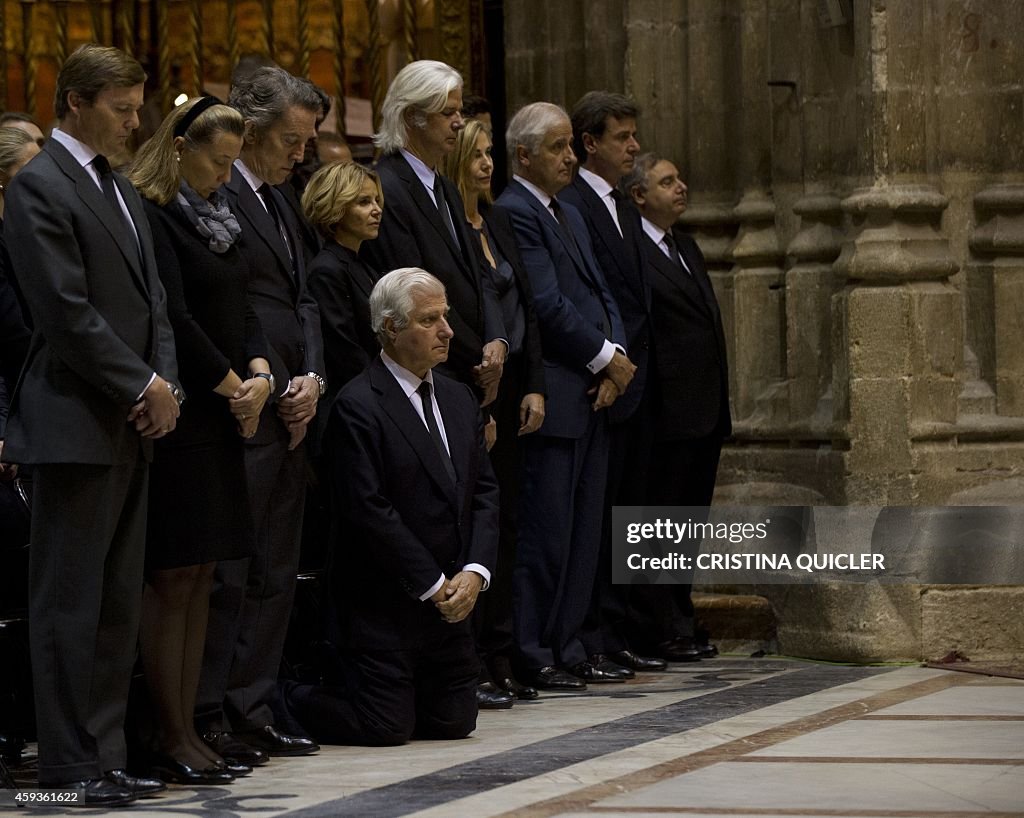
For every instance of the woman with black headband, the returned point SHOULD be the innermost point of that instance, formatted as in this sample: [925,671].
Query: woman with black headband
[198,507]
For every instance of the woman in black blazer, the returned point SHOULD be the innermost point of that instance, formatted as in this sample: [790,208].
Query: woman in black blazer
[344,202]
[198,508]
[518,409]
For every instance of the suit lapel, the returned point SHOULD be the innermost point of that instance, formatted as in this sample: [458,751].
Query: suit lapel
[548,218]
[261,223]
[700,274]
[358,272]
[606,230]
[92,197]
[399,408]
[426,205]
[676,277]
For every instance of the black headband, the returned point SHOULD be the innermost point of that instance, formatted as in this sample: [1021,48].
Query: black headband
[193,114]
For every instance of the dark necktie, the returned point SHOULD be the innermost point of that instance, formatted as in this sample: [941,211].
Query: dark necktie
[435,432]
[442,207]
[620,204]
[106,175]
[563,223]
[673,251]
[268,199]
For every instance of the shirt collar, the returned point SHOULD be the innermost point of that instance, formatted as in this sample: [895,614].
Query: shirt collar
[600,186]
[406,379]
[536,191]
[652,230]
[83,153]
[254,181]
[419,167]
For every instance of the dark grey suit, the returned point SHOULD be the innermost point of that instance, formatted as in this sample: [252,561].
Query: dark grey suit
[101,330]
[252,600]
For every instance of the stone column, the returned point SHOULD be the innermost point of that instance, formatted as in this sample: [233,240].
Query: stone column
[897,340]
[810,285]
[998,242]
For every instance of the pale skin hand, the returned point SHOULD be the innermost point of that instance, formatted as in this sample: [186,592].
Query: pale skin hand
[459,596]
[490,433]
[621,370]
[488,373]
[531,413]
[299,405]
[157,413]
[297,432]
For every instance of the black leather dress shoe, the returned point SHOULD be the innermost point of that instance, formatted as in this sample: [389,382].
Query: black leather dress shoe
[627,658]
[707,650]
[235,767]
[552,678]
[231,749]
[178,772]
[609,672]
[521,692]
[491,697]
[612,668]
[678,650]
[267,738]
[141,787]
[94,792]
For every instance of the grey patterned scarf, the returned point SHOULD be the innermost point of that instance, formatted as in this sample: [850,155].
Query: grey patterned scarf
[211,217]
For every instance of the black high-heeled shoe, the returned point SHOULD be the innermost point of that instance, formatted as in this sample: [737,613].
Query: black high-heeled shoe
[178,772]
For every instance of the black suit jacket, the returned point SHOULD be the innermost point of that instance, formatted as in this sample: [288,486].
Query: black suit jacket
[621,259]
[402,522]
[99,310]
[501,231]
[413,234]
[287,313]
[341,283]
[14,335]
[692,388]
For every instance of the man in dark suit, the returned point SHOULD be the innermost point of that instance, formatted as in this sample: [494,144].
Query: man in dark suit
[586,369]
[604,138]
[691,396]
[424,223]
[98,387]
[416,533]
[252,598]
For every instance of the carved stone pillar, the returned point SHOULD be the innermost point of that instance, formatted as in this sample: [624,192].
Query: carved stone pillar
[759,328]
[810,285]
[998,240]
[897,339]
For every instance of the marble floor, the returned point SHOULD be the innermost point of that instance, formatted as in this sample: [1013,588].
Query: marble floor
[729,736]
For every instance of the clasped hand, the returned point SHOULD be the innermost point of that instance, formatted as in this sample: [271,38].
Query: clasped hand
[298,407]
[456,597]
[156,413]
[247,403]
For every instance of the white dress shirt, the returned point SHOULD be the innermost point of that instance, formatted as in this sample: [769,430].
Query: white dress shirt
[657,235]
[604,192]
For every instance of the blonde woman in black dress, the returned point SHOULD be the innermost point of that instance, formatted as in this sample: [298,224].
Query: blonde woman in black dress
[198,511]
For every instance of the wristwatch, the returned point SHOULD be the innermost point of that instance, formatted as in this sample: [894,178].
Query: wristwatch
[319,382]
[176,393]
[269,377]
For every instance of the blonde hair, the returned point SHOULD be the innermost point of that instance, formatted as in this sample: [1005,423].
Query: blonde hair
[156,172]
[331,190]
[456,164]
[12,143]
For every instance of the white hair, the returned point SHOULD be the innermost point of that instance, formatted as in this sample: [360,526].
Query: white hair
[422,86]
[529,127]
[393,296]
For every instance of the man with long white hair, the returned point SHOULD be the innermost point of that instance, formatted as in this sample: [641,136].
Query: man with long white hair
[424,223]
